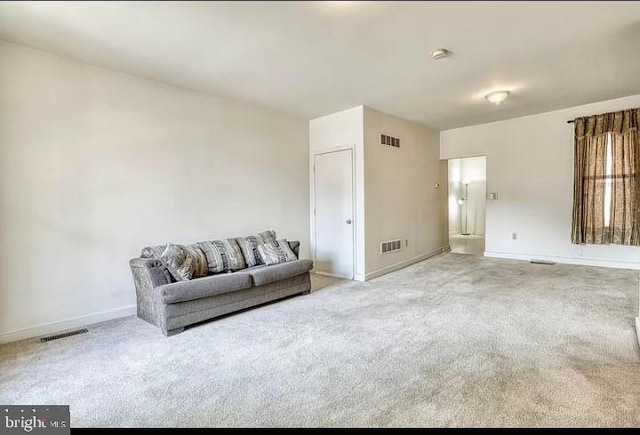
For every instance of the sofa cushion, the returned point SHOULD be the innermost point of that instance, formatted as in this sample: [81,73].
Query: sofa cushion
[203,287]
[276,252]
[268,274]
[223,255]
[184,262]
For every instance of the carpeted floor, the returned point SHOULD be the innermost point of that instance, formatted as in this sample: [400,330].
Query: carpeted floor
[455,340]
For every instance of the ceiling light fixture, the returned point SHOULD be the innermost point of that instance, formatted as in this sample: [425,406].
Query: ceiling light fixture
[497,97]
[440,53]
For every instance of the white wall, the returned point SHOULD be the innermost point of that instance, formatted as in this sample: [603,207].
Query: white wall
[395,188]
[95,165]
[339,130]
[530,166]
[401,198]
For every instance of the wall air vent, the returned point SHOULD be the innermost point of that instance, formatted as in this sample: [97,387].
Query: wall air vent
[389,141]
[390,246]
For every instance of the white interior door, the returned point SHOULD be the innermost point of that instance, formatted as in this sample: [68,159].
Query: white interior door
[333,183]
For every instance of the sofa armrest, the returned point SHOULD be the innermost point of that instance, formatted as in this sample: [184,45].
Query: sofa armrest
[155,271]
[148,273]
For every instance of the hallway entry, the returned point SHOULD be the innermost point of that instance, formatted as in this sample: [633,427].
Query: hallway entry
[467,205]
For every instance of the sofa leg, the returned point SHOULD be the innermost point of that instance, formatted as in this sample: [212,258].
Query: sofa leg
[171,332]
[306,292]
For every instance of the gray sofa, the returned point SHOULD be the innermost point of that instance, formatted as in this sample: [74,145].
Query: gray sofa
[172,306]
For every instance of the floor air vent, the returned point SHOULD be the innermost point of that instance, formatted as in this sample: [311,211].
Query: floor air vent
[64,334]
[547,262]
[390,246]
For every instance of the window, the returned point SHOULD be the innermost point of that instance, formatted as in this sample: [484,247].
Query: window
[606,199]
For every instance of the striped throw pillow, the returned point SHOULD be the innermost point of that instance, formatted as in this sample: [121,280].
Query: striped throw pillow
[249,247]
[276,252]
[223,255]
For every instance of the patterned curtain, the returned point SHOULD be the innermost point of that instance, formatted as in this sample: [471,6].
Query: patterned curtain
[625,195]
[590,179]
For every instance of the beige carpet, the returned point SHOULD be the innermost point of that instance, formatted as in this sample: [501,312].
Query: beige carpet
[455,340]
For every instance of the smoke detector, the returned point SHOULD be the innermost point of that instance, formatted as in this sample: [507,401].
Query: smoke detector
[440,53]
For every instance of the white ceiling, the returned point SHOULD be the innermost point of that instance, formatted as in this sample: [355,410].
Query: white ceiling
[315,58]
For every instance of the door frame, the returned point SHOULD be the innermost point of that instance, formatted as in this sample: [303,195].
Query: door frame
[312,205]
[487,201]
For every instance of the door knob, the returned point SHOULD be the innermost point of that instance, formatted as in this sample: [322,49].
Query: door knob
[349,221]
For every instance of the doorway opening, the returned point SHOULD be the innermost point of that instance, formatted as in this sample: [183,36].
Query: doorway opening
[467,205]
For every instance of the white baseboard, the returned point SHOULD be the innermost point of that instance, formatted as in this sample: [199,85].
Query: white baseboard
[63,325]
[405,263]
[566,260]
[332,275]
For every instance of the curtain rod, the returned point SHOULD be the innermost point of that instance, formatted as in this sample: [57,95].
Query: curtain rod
[571,122]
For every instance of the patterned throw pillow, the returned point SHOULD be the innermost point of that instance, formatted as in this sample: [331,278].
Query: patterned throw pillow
[276,252]
[184,262]
[223,255]
[249,247]
[267,236]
